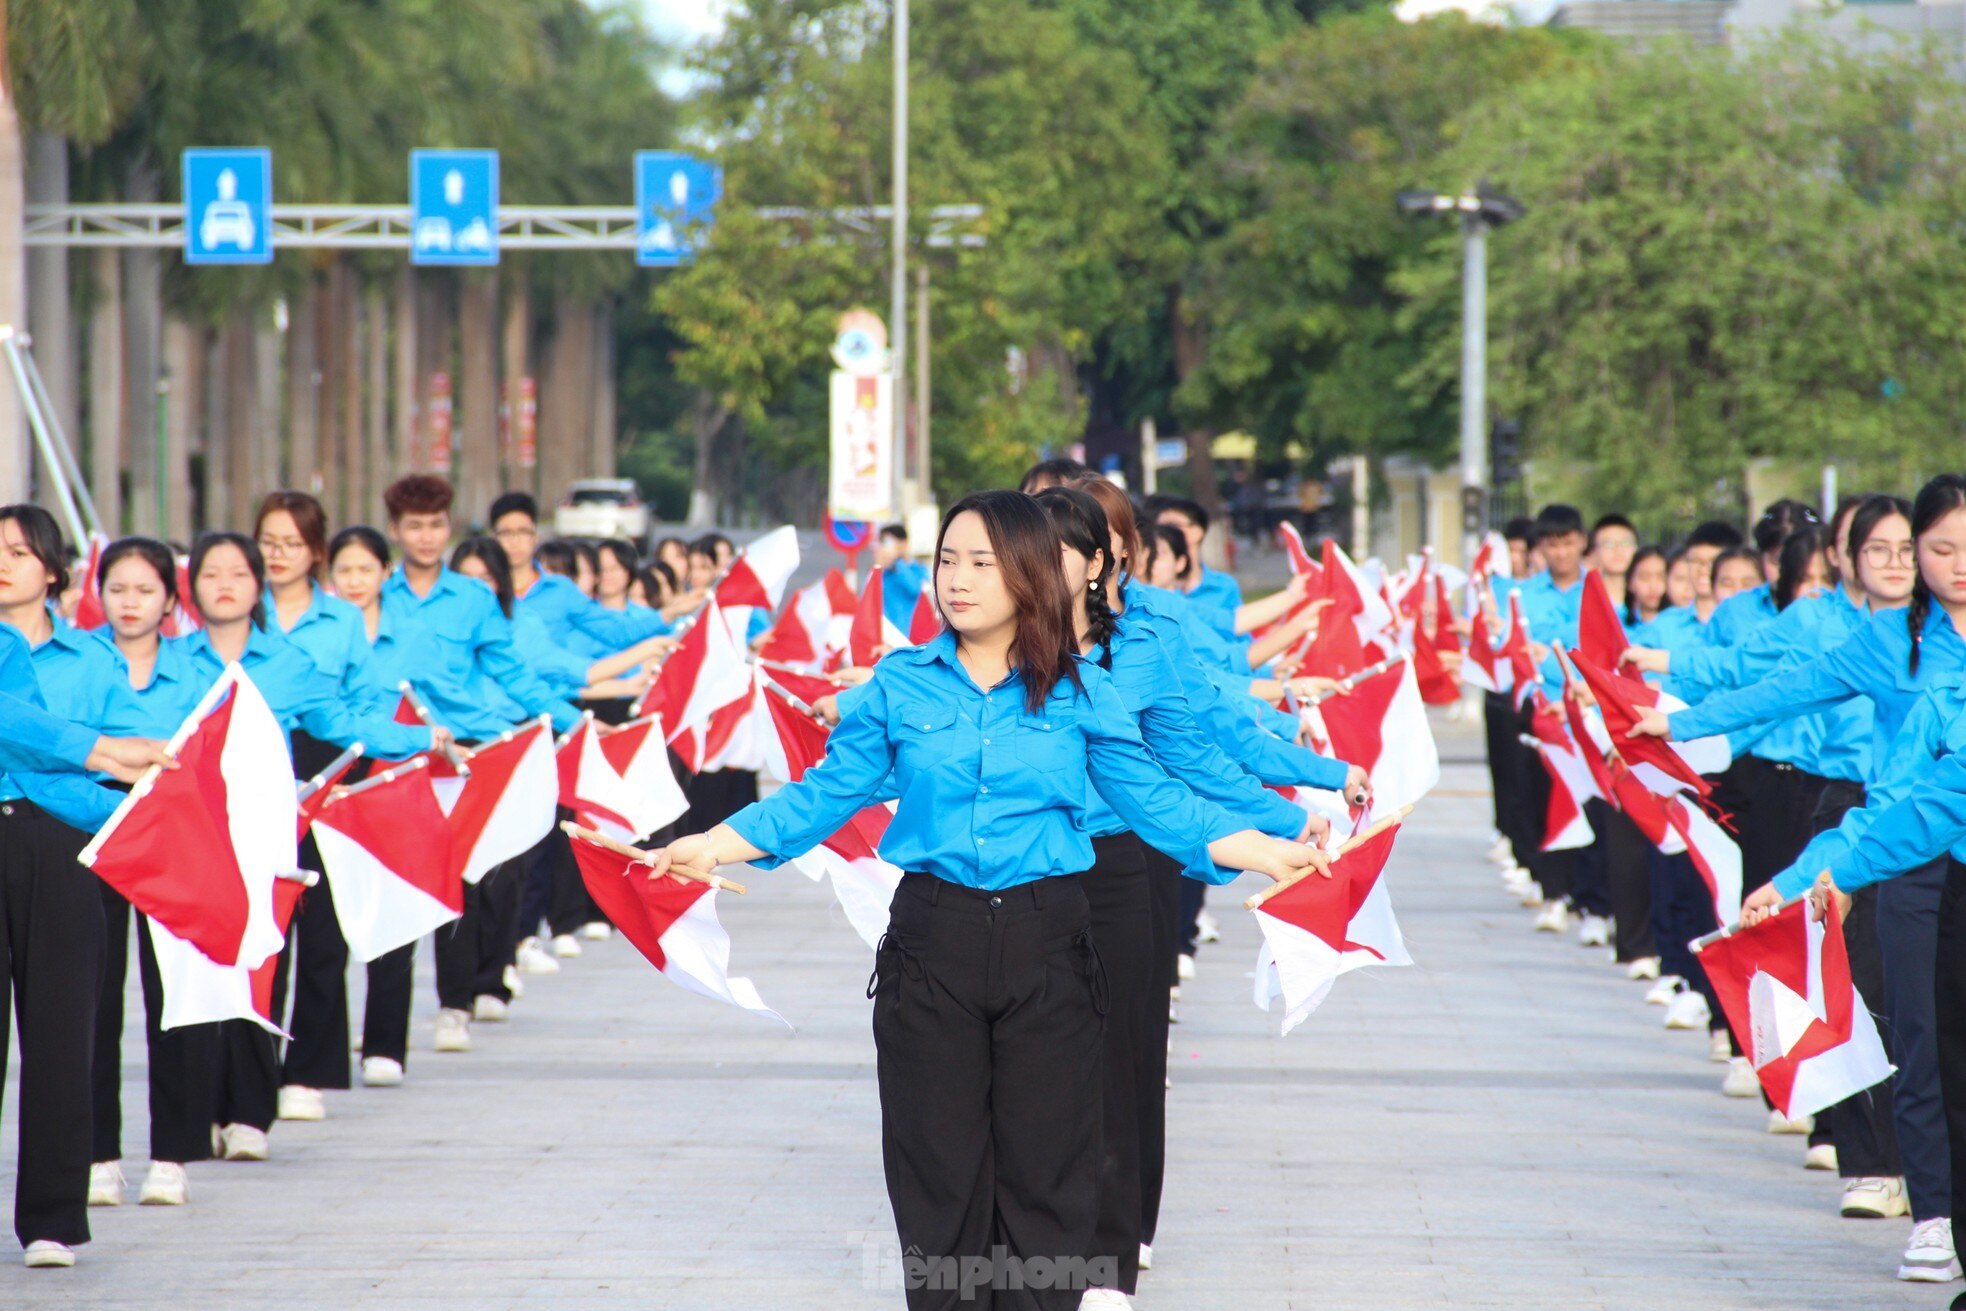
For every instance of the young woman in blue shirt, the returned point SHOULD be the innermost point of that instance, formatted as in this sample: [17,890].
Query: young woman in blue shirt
[989,996]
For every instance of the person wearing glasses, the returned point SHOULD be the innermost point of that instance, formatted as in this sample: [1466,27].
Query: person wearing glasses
[575,620]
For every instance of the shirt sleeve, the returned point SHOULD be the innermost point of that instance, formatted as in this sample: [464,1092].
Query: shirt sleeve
[319,707]
[492,645]
[31,738]
[1913,755]
[1165,814]
[1169,727]
[615,629]
[799,816]
[1925,824]
[1823,683]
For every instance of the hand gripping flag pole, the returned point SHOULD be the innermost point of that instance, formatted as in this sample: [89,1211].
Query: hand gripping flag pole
[642,857]
[1701,943]
[335,769]
[422,709]
[1370,831]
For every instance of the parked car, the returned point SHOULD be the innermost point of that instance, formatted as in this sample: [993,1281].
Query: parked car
[602,507]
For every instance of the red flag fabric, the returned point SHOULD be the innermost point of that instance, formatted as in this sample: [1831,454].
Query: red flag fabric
[507,804]
[925,624]
[1484,667]
[1786,989]
[386,850]
[1515,647]
[1619,699]
[1317,929]
[1445,638]
[1437,686]
[324,785]
[871,626]
[705,672]
[197,990]
[1293,547]
[1382,728]
[757,577]
[1565,827]
[673,923]
[1601,634]
[89,612]
[199,848]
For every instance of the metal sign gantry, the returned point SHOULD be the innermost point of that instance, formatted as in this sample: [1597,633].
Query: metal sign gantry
[388,227]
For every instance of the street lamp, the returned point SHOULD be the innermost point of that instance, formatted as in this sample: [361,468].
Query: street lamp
[1478,211]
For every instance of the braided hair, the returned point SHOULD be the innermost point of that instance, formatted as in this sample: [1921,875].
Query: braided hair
[1081,526]
[1936,499]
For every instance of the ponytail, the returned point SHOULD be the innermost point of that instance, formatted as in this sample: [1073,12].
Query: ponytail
[1936,499]
[1082,526]
[1101,622]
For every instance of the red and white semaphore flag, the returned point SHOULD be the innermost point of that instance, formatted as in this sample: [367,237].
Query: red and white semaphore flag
[672,922]
[618,781]
[756,579]
[386,849]
[1317,928]
[199,991]
[1786,989]
[862,882]
[506,804]
[1565,827]
[199,848]
[706,672]
[1381,727]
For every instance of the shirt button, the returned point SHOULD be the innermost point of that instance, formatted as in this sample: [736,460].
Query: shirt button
[979,841]
[986,741]
[984,788]
[996,901]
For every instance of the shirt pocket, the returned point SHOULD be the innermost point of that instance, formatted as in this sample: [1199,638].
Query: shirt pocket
[926,734]
[1049,740]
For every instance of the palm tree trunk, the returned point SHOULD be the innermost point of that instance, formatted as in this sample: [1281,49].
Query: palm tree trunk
[1190,344]
[375,317]
[303,390]
[477,396]
[50,307]
[143,331]
[354,449]
[186,361]
[408,412]
[521,470]
[14,471]
[108,399]
[708,420]
[332,342]
[602,418]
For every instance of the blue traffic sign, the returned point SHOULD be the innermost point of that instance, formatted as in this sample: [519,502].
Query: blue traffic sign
[228,206]
[453,207]
[675,200]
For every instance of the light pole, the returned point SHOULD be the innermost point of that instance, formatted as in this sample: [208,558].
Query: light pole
[897,331]
[1478,211]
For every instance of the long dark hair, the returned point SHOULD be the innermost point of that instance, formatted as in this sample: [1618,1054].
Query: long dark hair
[1799,550]
[1081,526]
[1122,522]
[1643,554]
[1871,512]
[256,562]
[1164,537]
[1045,649]
[147,549]
[43,537]
[361,535]
[487,551]
[1936,500]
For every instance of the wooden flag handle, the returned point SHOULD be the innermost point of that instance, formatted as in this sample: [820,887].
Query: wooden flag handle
[422,710]
[642,857]
[386,776]
[1371,830]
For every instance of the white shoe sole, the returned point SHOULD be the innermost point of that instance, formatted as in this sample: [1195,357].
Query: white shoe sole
[62,1259]
[385,1079]
[1875,1211]
[162,1197]
[1929,1274]
[104,1197]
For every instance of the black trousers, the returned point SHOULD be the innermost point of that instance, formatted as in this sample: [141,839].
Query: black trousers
[1119,892]
[554,890]
[473,950]
[1164,880]
[1949,1010]
[988,1017]
[317,1055]
[182,1061]
[1498,730]
[386,1011]
[1628,871]
[1590,877]
[1912,937]
[51,973]
[248,1079]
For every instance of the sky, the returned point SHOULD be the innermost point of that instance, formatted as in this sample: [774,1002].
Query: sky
[681,23]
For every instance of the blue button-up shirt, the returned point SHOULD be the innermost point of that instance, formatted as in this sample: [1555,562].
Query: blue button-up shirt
[335,637]
[1552,614]
[902,584]
[991,794]
[42,753]
[456,648]
[302,697]
[1874,662]
[159,707]
[583,625]
[1914,813]
[1216,596]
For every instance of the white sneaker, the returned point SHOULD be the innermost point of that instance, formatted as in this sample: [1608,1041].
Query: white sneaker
[1207,927]
[453,1031]
[1820,1156]
[1740,1080]
[1662,992]
[1110,1298]
[1146,1256]
[1173,1012]
[1500,852]
[597,931]
[1515,879]
[1929,1257]
[1687,1010]
[1184,968]
[106,1183]
[1874,1199]
[1645,967]
[1532,895]
[45,1254]
[1779,1123]
[1594,932]
[243,1143]
[534,959]
[165,1185]
[1554,919]
[382,1072]
[298,1103]
[513,983]
[490,1009]
[1720,1048]
[566,946]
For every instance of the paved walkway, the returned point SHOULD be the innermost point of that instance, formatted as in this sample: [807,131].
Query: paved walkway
[1505,1125]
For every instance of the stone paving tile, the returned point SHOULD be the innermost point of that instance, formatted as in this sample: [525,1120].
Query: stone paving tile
[1504,1125]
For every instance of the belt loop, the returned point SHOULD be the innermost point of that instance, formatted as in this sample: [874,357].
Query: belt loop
[934,890]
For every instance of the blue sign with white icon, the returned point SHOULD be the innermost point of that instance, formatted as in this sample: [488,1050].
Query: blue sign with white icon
[228,206]
[453,207]
[675,200]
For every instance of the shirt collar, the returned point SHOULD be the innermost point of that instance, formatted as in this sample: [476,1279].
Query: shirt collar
[399,581]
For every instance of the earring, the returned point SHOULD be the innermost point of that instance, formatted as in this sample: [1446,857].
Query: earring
[1092,586]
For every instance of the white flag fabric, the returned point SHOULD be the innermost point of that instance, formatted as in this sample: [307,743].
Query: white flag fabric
[1319,928]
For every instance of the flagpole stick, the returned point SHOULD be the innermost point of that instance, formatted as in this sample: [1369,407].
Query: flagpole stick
[335,766]
[641,857]
[790,699]
[1701,943]
[422,710]
[386,776]
[148,779]
[1371,830]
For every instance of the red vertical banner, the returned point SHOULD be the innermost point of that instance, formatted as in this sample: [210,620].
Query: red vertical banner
[528,422]
[440,423]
